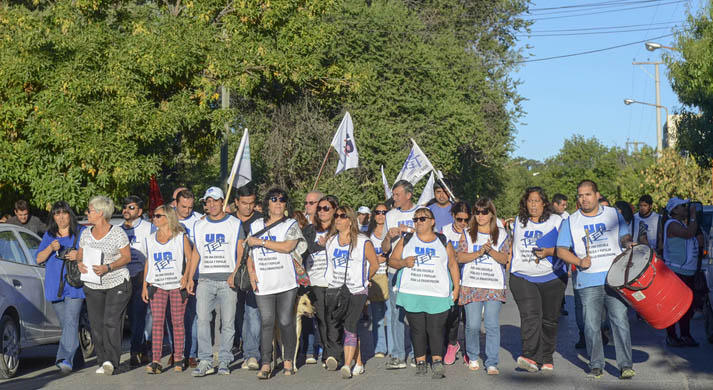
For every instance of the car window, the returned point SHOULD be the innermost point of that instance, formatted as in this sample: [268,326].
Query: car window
[10,248]
[32,244]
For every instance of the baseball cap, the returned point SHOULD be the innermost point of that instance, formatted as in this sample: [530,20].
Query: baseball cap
[213,192]
[674,202]
[363,210]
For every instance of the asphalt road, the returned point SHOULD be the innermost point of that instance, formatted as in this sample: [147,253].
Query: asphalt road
[657,367]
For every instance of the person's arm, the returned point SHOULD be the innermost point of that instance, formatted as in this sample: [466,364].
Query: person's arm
[47,246]
[252,273]
[187,253]
[500,257]
[454,270]
[396,262]
[144,284]
[371,258]
[192,266]
[276,246]
[124,259]
[689,231]
[570,258]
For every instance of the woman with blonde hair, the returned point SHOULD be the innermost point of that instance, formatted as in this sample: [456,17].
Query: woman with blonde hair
[166,282]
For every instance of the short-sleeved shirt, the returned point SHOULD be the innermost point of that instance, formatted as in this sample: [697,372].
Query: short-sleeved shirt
[55,270]
[110,246]
[442,215]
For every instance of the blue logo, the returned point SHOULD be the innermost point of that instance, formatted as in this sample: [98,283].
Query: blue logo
[378,250]
[163,261]
[268,237]
[531,237]
[596,233]
[424,256]
[215,242]
[485,258]
[406,222]
[340,258]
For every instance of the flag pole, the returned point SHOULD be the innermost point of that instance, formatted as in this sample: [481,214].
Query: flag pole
[322,167]
[438,175]
[234,171]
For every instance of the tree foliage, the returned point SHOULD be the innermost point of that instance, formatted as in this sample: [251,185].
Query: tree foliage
[676,175]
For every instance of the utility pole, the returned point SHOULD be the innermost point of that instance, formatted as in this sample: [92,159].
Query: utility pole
[657,79]
[635,145]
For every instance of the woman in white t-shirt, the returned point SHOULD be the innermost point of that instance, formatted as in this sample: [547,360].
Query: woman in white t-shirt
[379,286]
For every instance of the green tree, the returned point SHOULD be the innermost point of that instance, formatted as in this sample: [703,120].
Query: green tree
[676,175]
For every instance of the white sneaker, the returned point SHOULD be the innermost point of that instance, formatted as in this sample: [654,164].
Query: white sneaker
[358,369]
[108,368]
[474,365]
[99,371]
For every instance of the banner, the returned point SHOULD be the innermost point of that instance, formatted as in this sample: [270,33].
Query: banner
[415,167]
[345,144]
[387,188]
[427,193]
[241,164]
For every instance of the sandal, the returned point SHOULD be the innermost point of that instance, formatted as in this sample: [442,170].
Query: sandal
[263,374]
[289,371]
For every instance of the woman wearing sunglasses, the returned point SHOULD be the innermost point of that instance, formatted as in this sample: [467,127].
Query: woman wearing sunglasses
[273,277]
[483,283]
[316,265]
[351,262]
[428,286]
[538,279]
[379,287]
[165,283]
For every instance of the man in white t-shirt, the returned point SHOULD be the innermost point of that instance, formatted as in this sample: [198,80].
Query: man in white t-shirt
[646,220]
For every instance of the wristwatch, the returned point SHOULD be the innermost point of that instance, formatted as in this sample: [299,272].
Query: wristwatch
[108,268]
[263,243]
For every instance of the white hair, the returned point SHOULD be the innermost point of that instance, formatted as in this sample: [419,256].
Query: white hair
[103,205]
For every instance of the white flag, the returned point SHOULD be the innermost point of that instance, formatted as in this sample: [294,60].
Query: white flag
[241,164]
[387,189]
[345,144]
[427,193]
[416,165]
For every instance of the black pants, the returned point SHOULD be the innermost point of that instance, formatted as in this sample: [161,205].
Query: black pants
[280,306]
[684,324]
[427,332]
[320,309]
[452,324]
[334,332]
[106,310]
[356,308]
[539,305]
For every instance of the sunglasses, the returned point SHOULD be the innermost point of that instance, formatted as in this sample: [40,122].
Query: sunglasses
[380,212]
[310,202]
[282,199]
[158,216]
[340,216]
[323,208]
[461,220]
[482,212]
[130,207]
[420,219]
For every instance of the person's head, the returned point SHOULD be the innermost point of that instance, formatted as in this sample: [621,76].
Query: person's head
[100,210]
[588,196]
[131,208]
[214,200]
[311,200]
[275,204]
[363,214]
[402,194]
[645,203]
[423,220]
[440,194]
[245,201]
[559,203]
[184,203]
[300,218]
[603,201]
[325,213]
[534,206]
[378,216]
[345,222]
[625,210]
[174,198]
[677,208]
[484,218]
[22,211]
[461,215]
[166,218]
[61,217]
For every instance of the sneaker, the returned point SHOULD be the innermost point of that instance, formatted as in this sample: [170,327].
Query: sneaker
[252,364]
[412,362]
[474,365]
[223,368]
[439,370]
[395,364]
[688,341]
[379,355]
[627,373]
[548,367]
[673,341]
[99,371]
[527,364]
[492,370]
[421,368]
[64,368]
[108,368]
[154,368]
[358,369]
[346,372]
[581,343]
[135,360]
[595,373]
[204,368]
[332,364]
[310,359]
[451,352]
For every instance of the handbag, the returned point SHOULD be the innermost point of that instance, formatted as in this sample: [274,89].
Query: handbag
[70,269]
[341,297]
[241,279]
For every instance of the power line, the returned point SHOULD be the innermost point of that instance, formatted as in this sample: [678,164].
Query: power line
[595,32]
[607,11]
[591,7]
[605,28]
[599,3]
[594,51]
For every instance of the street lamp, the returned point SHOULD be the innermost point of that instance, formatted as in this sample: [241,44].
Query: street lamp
[659,141]
[651,46]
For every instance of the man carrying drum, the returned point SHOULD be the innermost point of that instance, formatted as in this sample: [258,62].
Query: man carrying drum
[590,239]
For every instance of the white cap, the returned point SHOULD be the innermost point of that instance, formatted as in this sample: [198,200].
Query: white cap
[213,192]
[363,210]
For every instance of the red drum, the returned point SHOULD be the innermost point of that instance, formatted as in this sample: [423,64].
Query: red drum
[650,287]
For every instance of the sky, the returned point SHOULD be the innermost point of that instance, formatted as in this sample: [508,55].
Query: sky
[585,94]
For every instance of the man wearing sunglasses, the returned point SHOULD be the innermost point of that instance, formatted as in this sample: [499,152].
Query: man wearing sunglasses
[311,200]
[138,231]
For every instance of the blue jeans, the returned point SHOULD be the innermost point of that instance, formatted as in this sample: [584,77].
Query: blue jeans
[397,329]
[137,315]
[594,301]
[308,339]
[190,322]
[378,325]
[211,294]
[68,314]
[473,315]
[251,327]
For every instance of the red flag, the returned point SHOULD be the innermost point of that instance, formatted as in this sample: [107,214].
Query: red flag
[155,198]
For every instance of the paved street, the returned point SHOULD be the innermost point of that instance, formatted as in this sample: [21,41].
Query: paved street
[657,367]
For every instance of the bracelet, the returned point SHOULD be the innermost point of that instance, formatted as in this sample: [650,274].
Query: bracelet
[108,268]
[263,243]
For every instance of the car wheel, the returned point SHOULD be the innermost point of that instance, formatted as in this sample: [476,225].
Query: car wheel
[85,336]
[9,347]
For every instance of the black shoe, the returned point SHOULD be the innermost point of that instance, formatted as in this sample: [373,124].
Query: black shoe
[421,369]
[595,373]
[564,312]
[605,338]
[673,341]
[439,371]
[582,343]
[134,360]
[688,341]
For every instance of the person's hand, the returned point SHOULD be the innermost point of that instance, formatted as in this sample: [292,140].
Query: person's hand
[394,232]
[410,261]
[631,244]
[487,247]
[82,268]
[231,280]
[101,269]
[404,229]
[586,262]
[189,287]
[253,280]
[72,255]
[381,259]
[322,240]
[254,241]
[184,282]
[456,293]
[55,245]
[145,295]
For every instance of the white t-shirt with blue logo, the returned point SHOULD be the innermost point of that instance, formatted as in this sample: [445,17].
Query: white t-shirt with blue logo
[189,222]
[165,268]
[395,218]
[347,265]
[216,243]
[524,263]
[138,234]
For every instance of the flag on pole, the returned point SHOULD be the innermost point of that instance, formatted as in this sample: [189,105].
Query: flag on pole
[387,189]
[345,144]
[416,165]
[427,193]
[155,198]
[241,164]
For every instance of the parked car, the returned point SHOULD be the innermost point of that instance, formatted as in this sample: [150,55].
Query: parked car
[26,318]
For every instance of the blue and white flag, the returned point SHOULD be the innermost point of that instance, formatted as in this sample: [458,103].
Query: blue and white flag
[416,166]
[241,165]
[427,193]
[345,144]
[387,188]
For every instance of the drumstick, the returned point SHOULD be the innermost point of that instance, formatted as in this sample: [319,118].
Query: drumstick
[586,241]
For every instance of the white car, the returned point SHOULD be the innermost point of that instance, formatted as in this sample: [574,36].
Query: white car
[26,318]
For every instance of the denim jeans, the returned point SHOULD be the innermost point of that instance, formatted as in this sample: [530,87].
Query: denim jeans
[473,314]
[210,295]
[137,315]
[68,314]
[251,327]
[378,325]
[594,301]
[190,321]
[310,335]
[397,329]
